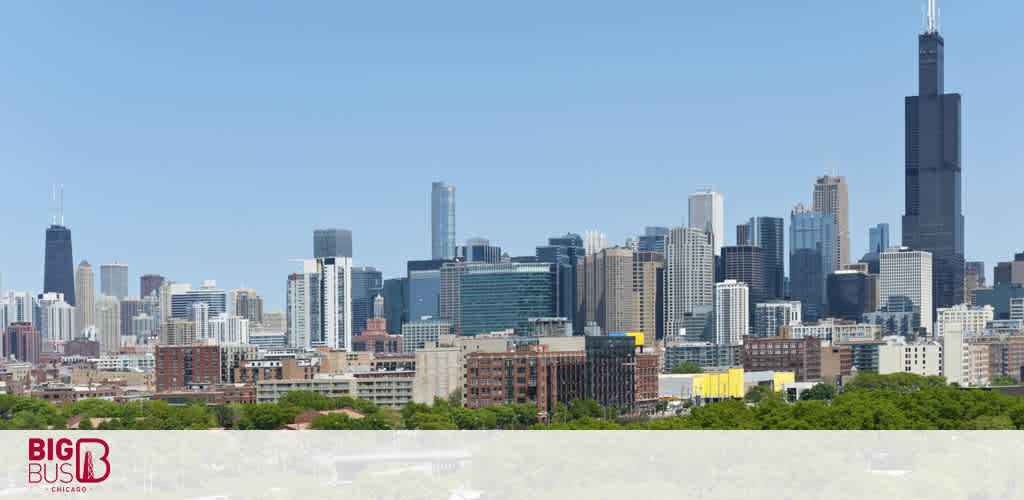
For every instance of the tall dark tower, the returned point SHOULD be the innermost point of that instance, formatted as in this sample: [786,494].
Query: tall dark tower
[934,221]
[59,273]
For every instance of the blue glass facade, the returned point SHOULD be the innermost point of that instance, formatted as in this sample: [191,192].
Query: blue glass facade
[442,221]
[811,259]
[564,251]
[496,297]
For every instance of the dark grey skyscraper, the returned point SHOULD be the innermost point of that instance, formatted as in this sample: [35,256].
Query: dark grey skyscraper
[653,239]
[565,251]
[933,220]
[149,283]
[878,238]
[442,221]
[745,264]
[396,293]
[367,283]
[59,271]
[332,243]
[767,233]
[479,250]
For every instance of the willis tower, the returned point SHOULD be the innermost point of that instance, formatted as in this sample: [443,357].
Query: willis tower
[59,273]
[933,219]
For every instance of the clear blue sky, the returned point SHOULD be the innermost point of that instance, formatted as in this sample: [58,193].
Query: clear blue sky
[206,140]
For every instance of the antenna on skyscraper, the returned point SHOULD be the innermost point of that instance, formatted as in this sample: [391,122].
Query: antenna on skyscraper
[62,204]
[53,199]
[932,19]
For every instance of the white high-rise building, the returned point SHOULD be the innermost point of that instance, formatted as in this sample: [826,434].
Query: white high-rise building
[164,294]
[732,312]
[956,359]
[201,317]
[229,329]
[706,213]
[85,297]
[899,356]
[970,319]
[769,316]
[108,323]
[378,306]
[17,307]
[114,280]
[216,298]
[907,274]
[144,326]
[318,305]
[56,318]
[594,242]
[689,274]
[1017,308]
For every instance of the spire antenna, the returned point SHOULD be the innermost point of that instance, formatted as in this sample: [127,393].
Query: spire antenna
[933,23]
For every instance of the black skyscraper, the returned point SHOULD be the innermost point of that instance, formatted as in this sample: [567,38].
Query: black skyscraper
[564,251]
[59,273]
[933,220]
[767,233]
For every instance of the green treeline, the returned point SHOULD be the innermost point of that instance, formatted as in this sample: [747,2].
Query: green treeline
[870,402]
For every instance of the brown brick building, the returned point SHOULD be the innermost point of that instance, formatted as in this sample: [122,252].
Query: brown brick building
[212,395]
[646,381]
[375,338]
[801,356]
[82,347]
[524,374]
[188,366]
[22,341]
[60,393]
[607,370]
[1005,354]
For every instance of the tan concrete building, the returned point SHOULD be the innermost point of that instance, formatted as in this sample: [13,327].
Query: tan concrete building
[85,297]
[978,364]
[831,196]
[646,267]
[438,373]
[177,331]
[385,389]
[108,323]
[604,286]
[832,331]
[440,365]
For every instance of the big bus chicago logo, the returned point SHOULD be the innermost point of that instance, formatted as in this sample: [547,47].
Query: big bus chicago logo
[66,466]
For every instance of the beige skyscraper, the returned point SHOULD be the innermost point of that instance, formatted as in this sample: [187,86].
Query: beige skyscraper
[85,294]
[247,304]
[604,284]
[108,323]
[177,331]
[646,268]
[832,197]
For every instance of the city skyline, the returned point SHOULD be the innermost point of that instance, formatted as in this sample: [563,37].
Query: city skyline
[509,219]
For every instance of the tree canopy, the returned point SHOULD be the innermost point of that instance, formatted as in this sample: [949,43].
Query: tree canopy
[869,402]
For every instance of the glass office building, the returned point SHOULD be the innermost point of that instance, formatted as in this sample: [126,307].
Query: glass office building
[496,297]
